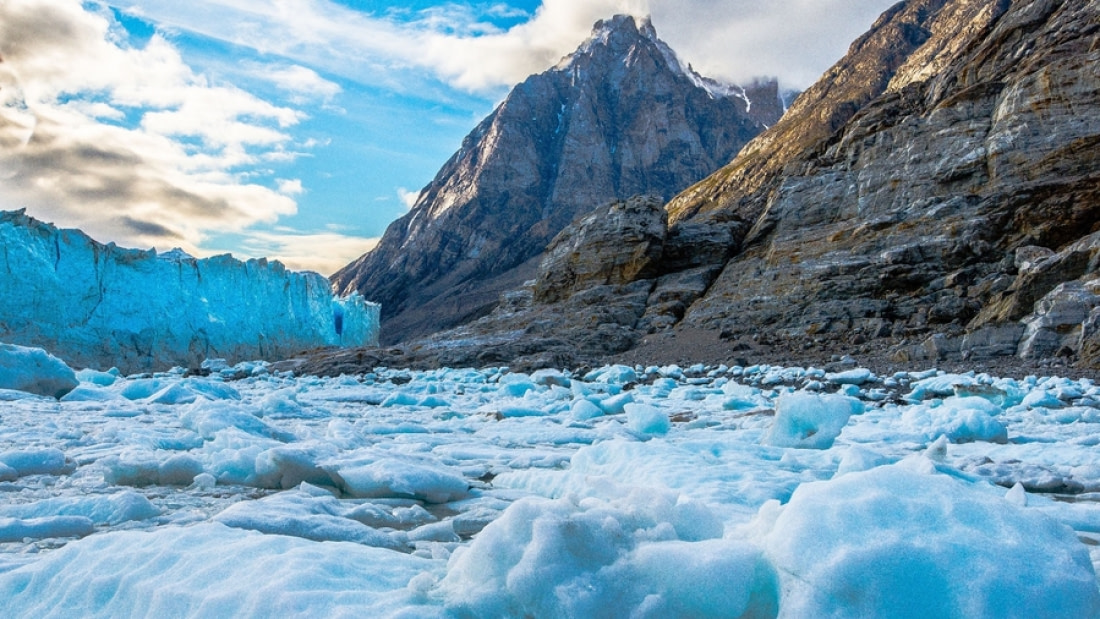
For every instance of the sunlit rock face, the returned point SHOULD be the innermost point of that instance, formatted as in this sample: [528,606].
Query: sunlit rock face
[619,117]
[101,306]
[904,209]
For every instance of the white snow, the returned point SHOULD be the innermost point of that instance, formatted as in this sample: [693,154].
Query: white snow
[101,305]
[624,492]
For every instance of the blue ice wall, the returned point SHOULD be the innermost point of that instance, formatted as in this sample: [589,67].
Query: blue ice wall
[100,305]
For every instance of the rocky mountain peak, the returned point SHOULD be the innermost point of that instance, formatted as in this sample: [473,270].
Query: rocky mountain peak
[616,38]
[617,118]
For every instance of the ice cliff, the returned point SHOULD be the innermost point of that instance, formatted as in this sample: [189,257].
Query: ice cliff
[101,305]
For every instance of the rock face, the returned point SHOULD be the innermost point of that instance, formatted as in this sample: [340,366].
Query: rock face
[617,118]
[951,200]
[99,305]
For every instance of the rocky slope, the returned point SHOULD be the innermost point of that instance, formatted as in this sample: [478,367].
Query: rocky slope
[934,219]
[617,118]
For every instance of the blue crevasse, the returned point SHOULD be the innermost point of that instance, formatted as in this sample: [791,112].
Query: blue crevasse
[100,305]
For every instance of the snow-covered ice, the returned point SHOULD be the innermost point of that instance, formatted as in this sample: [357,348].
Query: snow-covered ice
[624,492]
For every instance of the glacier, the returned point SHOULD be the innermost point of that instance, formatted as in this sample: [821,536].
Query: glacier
[100,305]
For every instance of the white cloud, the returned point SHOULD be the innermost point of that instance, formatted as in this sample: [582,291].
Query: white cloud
[323,252]
[738,40]
[289,187]
[67,85]
[408,198]
[297,80]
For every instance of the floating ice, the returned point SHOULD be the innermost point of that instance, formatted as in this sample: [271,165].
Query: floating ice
[400,478]
[50,461]
[636,555]
[646,419]
[14,530]
[810,421]
[109,509]
[894,542]
[34,370]
[857,376]
[308,514]
[659,498]
[959,419]
[212,570]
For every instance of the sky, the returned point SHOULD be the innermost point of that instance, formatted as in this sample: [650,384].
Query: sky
[299,129]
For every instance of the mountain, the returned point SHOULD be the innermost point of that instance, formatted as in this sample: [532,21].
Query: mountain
[619,117]
[934,198]
[102,306]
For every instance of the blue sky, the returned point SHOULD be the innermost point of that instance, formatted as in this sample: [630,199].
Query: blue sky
[299,129]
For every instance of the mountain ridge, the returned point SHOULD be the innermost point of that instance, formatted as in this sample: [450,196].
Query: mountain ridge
[619,117]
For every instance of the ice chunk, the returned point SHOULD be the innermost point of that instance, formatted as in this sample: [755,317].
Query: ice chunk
[612,374]
[95,377]
[622,558]
[15,530]
[207,418]
[743,397]
[108,509]
[211,570]
[894,542]
[289,466]
[142,388]
[87,392]
[937,385]
[148,469]
[389,477]
[857,459]
[34,370]
[48,461]
[583,410]
[810,421]
[646,419]
[1042,398]
[858,376]
[959,419]
[616,404]
[309,515]
[516,385]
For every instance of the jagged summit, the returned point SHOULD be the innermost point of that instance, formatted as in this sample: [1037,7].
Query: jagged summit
[619,117]
[614,36]
[618,36]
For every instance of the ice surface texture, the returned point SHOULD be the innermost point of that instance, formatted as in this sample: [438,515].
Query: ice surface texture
[100,305]
[626,492]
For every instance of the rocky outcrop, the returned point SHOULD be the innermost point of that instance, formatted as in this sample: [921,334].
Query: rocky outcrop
[619,117]
[900,231]
[100,305]
[589,294]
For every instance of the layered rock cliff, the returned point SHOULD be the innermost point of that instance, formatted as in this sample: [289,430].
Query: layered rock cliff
[910,227]
[100,305]
[617,118]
